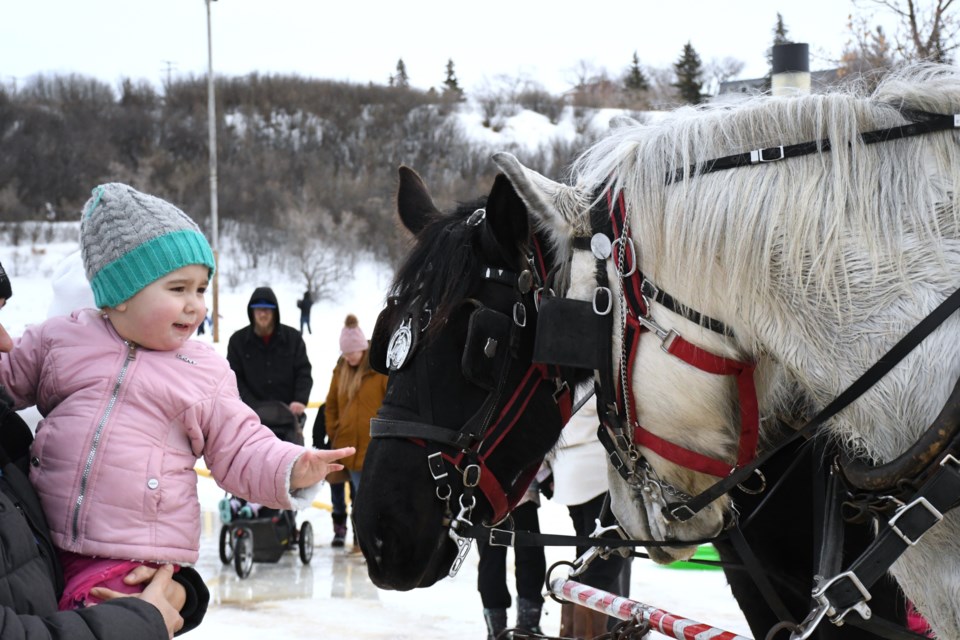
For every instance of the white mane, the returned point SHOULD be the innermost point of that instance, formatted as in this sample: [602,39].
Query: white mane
[807,225]
[819,263]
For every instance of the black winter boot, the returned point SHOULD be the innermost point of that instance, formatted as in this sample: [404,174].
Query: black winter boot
[339,529]
[528,615]
[496,620]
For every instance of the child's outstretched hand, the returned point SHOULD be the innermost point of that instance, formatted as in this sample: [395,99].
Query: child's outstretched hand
[314,465]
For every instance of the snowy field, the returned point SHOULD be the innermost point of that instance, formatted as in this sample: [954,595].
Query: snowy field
[332,597]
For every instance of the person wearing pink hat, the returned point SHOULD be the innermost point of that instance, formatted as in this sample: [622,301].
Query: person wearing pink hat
[356,393]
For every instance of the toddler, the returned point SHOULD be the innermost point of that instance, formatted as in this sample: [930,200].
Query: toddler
[129,403]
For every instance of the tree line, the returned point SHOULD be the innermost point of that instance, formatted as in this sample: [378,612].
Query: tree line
[304,159]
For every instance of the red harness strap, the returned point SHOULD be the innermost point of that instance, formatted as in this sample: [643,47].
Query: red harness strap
[695,356]
[502,501]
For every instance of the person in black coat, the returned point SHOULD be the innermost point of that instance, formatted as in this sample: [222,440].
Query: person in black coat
[304,304]
[269,358]
[30,576]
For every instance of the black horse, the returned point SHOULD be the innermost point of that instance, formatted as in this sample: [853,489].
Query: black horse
[467,419]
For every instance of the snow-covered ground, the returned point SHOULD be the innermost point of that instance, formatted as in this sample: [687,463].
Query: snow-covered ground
[332,597]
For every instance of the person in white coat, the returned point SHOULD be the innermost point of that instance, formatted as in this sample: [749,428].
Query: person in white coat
[579,482]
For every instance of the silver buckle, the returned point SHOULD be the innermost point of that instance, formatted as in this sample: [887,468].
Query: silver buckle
[949,459]
[770,154]
[820,595]
[494,543]
[923,502]
[668,340]
[432,458]
[680,513]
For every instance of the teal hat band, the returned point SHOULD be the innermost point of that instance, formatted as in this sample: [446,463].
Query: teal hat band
[121,279]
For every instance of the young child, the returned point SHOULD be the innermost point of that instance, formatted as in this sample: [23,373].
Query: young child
[129,403]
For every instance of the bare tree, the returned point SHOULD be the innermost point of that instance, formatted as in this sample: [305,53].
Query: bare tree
[584,73]
[867,57]
[663,95]
[717,71]
[927,30]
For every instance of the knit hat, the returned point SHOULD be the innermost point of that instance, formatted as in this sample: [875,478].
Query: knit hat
[351,336]
[129,239]
[5,289]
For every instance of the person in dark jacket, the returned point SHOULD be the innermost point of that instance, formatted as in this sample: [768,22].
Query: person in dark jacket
[269,358]
[304,305]
[31,579]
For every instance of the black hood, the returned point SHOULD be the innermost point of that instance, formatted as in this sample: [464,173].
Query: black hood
[5,290]
[264,294]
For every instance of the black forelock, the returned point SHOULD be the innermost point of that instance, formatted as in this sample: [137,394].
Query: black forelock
[443,266]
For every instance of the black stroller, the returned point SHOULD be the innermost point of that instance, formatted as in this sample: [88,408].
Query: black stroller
[253,533]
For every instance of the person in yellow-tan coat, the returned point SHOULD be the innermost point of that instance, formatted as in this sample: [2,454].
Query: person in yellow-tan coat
[356,393]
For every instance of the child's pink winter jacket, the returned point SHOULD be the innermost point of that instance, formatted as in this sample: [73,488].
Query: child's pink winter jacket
[113,460]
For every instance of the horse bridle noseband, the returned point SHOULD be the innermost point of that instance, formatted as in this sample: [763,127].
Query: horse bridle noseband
[467,449]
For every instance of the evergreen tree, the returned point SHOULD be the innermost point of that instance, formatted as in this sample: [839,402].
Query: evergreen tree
[636,80]
[779,37]
[689,71]
[451,87]
[400,80]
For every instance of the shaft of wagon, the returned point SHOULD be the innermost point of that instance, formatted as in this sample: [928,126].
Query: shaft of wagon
[668,624]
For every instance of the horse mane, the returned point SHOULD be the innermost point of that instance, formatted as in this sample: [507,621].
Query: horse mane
[817,225]
[442,267]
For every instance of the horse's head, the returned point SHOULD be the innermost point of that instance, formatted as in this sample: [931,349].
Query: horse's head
[455,443]
[681,414]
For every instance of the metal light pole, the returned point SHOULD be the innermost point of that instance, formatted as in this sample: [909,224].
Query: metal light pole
[212,126]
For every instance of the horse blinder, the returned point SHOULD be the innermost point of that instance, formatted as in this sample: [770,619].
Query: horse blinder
[571,333]
[392,348]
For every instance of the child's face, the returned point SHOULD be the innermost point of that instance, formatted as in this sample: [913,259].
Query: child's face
[165,313]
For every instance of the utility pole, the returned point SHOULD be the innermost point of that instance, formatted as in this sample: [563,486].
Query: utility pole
[168,66]
[212,126]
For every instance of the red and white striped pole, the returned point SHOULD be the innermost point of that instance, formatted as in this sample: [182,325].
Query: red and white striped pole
[625,609]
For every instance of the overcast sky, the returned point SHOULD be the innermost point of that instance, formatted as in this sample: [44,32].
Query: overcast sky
[361,40]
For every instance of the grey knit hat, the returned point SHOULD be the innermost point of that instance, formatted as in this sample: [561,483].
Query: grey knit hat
[129,239]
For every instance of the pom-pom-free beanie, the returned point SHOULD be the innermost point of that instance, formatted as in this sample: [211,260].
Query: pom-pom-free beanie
[129,239]
[351,336]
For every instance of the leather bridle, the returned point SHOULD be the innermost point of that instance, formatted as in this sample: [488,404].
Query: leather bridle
[493,345]
[620,431]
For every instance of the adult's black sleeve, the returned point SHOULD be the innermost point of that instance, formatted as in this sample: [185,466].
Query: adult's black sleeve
[198,597]
[120,619]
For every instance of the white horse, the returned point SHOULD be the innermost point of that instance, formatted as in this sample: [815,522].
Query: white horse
[818,264]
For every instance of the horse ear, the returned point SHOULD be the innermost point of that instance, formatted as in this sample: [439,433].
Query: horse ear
[506,214]
[414,203]
[553,203]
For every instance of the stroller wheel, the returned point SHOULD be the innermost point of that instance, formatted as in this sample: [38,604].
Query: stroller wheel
[243,551]
[226,545]
[306,542]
